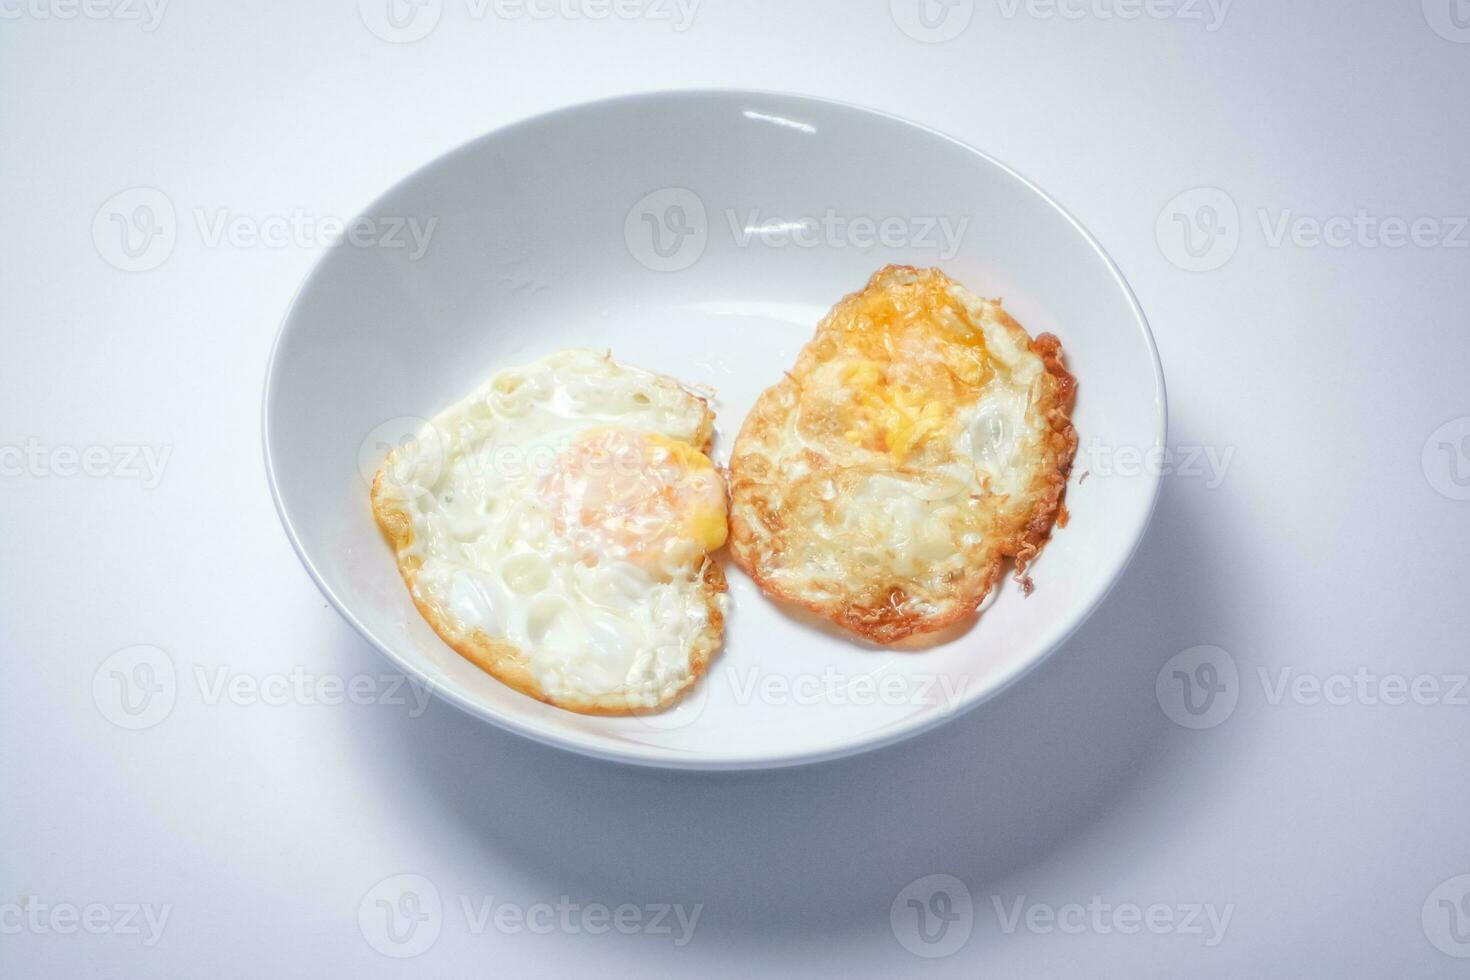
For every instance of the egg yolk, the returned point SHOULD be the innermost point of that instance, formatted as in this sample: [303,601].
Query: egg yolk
[914,356]
[889,418]
[638,495]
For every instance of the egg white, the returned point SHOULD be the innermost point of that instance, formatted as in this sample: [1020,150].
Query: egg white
[487,566]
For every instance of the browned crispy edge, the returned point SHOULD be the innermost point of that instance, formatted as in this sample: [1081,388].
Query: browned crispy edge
[505,661]
[1050,487]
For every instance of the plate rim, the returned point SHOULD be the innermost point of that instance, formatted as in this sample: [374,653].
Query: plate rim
[649,756]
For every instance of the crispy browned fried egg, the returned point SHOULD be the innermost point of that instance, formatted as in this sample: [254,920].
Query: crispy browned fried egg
[920,440]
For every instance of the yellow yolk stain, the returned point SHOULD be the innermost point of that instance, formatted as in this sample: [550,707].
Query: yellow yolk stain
[889,418]
[943,363]
[638,492]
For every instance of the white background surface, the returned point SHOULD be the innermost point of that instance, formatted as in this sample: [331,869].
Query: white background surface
[1327,545]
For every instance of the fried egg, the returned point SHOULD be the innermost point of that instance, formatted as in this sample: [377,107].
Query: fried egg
[555,528]
[921,439]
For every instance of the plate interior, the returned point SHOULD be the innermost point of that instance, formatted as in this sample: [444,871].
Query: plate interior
[543,237]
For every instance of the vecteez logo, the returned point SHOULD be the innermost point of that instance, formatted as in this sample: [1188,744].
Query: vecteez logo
[678,14]
[404,915]
[407,21]
[136,687]
[1208,464]
[1446,459]
[932,21]
[401,21]
[1199,687]
[933,916]
[148,14]
[1207,921]
[838,689]
[1445,917]
[938,21]
[668,230]
[34,459]
[941,234]
[38,917]
[401,916]
[1199,230]
[419,453]
[1210,13]
[1450,19]
[136,230]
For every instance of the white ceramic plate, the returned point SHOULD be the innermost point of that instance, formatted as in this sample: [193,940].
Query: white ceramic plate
[700,234]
